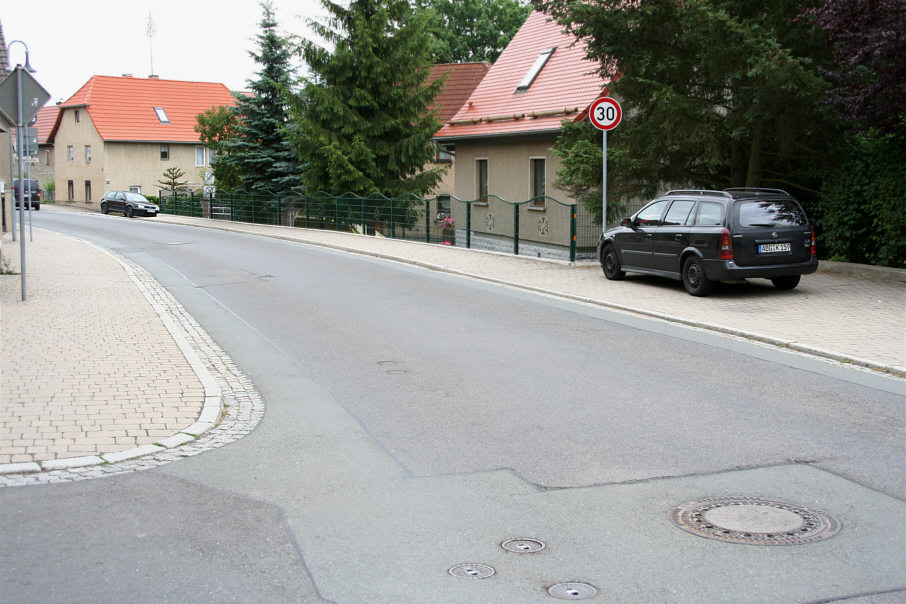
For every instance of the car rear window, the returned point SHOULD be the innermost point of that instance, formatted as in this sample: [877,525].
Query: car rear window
[769,213]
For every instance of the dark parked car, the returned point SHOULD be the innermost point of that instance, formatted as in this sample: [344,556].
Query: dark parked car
[31,195]
[700,237]
[128,203]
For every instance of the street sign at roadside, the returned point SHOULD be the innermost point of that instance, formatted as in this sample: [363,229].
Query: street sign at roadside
[605,113]
[33,96]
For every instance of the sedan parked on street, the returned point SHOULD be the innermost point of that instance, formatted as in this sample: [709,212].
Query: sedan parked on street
[699,237]
[128,203]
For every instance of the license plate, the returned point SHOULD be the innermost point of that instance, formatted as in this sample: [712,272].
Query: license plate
[769,248]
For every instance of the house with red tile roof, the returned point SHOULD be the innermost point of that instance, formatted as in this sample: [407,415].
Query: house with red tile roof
[504,132]
[43,170]
[122,133]
[461,80]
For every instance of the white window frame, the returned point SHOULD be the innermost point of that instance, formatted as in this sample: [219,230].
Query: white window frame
[199,150]
[162,115]
[70,153]
[87,154]
[164,152]
[535,69]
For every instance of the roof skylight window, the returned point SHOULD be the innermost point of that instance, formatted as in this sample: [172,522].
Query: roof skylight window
[536,68]
[162,115]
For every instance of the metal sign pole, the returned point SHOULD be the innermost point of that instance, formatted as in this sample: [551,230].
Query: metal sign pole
[604,186]
[20,134]
[12,191]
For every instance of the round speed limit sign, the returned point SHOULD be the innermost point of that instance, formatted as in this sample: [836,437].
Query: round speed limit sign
[605,113]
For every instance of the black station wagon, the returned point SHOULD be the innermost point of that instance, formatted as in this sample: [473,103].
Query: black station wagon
[700,237]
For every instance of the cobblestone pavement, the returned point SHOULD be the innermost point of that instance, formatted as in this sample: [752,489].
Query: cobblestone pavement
[160,389]
[102,371]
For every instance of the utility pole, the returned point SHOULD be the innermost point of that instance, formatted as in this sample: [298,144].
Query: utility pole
[151,31]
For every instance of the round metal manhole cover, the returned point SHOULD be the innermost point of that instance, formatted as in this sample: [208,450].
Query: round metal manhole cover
[523,545]
[472,571]
[572,591]
[754,521]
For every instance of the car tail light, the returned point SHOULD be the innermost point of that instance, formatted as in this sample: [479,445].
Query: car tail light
[726,245]
[814,249]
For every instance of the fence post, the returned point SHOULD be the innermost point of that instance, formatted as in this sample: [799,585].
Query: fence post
[572,233]
[279,211]
[336,212]
[427,221]
[231,206]
[392,224]
[515,229]
[468,225]
[364,224]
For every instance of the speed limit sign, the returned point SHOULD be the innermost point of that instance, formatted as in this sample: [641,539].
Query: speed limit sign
[605,113]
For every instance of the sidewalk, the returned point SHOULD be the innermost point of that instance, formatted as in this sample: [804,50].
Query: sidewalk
[97,367]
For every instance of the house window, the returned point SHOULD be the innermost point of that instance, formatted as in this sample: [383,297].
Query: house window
[87,154]
[77,116]
[47,157]
[70,153]
[535,69]
[481,179]
[135,189]
[164,152]
[538,190]
[199,156]
[70,190]
[162,115]
[87,191]
[444,154]
[211,155]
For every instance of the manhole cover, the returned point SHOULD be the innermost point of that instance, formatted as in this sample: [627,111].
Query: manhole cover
[523,545]
[472,571]
[754,521]
[572,591]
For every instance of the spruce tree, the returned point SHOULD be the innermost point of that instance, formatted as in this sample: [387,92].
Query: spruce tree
[260,149]
[363,117]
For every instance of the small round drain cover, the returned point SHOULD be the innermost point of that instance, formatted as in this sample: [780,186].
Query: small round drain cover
[572,591]
[523,545]
[754,521]
[472,571]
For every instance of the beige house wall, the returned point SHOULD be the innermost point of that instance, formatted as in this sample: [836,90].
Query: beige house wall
[510,178]
[115,165]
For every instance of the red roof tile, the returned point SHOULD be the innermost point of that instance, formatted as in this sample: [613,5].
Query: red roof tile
[565,87]
[44,122]
[462,78]
[122,108]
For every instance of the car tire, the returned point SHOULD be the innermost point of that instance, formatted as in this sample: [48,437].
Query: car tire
[128,213]
[104,209]
[694,279]
[788,282]
[610,262]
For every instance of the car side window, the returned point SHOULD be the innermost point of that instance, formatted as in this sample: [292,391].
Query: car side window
[120,197]
[709,214]
[651,215]
[679,212]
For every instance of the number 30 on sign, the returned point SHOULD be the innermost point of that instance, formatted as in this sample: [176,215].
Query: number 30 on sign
[605,113]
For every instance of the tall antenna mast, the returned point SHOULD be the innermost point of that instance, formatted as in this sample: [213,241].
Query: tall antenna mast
[151,31]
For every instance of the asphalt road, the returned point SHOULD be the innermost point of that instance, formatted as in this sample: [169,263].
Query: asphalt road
[416,420]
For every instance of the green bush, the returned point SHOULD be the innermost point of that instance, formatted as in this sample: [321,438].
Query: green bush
[863,204]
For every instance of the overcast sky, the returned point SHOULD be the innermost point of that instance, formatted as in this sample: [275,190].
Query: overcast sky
[197,40]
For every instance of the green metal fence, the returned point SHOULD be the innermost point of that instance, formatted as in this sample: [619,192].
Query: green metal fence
[540,227]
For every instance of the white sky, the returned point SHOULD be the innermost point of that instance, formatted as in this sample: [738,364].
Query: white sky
[197,40]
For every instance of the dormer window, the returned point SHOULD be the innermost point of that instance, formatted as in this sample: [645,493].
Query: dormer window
[161,115]
[536,68]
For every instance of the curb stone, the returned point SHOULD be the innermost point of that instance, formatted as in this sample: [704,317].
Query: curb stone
[229,412]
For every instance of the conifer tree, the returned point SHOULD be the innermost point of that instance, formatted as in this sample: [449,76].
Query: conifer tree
[363,117]
[260,150]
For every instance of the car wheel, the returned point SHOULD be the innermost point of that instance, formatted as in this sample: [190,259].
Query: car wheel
[610,262]
[104,209]
[694,279]
[128,212]
[786,282]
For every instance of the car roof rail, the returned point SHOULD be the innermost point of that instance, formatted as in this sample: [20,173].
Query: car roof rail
[698,192]
[756,190]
